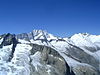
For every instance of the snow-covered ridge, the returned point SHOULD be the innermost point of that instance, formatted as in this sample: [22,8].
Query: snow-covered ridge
[44,38]
[37,35]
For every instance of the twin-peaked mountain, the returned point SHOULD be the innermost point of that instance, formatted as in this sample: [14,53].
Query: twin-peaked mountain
[41,53]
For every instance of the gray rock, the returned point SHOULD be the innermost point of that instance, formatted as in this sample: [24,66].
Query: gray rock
[58,66]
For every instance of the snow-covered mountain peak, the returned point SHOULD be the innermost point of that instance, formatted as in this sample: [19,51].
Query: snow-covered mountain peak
[37,35]
[41,53]
[80,35]
[84,39]
[40,34]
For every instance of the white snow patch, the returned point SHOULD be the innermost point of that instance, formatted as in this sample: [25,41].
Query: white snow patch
[5,52]
[97,55]
[23,41]
[39,42]
[21,58]
[36,60]
[60,45]
[82,40]
[94,38]
[1,40]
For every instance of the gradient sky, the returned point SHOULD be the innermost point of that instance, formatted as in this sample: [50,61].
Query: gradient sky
[59,17]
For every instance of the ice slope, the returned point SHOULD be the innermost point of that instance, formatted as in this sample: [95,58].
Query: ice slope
[86,40]
[19,64]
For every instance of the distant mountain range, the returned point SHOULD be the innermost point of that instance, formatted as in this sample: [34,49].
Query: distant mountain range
[41,53]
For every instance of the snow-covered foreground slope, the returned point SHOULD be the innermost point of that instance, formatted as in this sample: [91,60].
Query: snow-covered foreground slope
[41,53]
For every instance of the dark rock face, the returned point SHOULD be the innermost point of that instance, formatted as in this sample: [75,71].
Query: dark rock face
[32,35]
[8,40]
[83,57]
[23,36]
[14,42]
[51,57]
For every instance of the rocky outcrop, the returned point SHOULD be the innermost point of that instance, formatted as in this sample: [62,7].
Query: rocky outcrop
[50,57]
[9,39]
[82,56]
[23,36]
[85,70]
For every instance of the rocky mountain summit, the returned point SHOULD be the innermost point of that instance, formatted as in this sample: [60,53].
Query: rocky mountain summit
[41,53]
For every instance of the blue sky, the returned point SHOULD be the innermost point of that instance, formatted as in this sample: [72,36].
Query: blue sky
[59,17]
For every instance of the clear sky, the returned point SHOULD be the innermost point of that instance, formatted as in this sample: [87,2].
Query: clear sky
[59,17]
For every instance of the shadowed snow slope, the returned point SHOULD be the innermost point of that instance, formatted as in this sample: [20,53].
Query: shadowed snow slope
[41,53]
